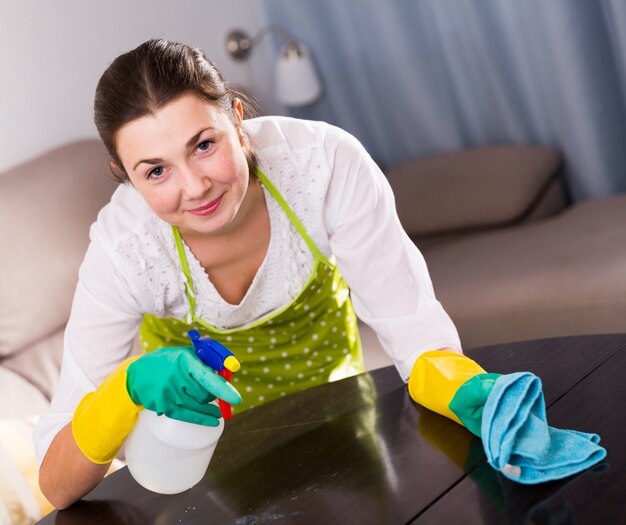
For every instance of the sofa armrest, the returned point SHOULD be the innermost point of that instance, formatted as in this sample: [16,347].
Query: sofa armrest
[477,188]
[46,208]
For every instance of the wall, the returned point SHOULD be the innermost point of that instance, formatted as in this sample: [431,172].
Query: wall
[53,53]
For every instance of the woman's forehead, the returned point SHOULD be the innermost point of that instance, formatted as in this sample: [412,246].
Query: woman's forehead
[171,125]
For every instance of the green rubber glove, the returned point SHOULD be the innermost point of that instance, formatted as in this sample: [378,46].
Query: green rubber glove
[469,401]
[175,382]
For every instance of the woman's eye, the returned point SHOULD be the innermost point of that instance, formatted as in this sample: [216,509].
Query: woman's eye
[155,173]
[205,145]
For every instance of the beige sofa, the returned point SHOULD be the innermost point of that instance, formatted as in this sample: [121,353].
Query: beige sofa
[46,207]
[509,259]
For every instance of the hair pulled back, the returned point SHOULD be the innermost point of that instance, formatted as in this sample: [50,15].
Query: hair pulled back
[141,81]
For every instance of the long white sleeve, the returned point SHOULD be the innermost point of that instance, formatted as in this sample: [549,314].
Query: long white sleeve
[390,286]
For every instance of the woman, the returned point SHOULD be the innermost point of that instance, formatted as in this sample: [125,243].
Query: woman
[242,228]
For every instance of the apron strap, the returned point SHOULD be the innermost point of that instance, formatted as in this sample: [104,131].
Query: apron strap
[182,257]
[292,217]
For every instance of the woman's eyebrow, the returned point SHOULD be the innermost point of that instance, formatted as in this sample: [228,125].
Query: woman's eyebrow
[190,142]
[148,161]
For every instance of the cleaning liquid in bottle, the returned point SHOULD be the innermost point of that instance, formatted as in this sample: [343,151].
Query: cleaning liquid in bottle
[169,456]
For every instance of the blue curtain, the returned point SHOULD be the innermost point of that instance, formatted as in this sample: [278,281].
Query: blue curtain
[416,77]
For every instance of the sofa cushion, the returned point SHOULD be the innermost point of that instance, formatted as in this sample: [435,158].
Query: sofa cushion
[18,397]
[473,188]
[560,276]
[46,354]
[46,208]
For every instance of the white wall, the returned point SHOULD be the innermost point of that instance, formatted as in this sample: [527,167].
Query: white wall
[52,54]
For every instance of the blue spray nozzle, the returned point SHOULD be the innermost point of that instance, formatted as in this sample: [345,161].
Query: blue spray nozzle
[211,352]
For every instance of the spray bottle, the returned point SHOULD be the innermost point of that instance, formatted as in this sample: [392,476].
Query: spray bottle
[169,456]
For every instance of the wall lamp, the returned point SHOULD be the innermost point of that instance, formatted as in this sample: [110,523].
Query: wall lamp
[296,81]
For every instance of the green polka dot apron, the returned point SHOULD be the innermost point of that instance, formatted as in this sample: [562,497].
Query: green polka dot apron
[311,340]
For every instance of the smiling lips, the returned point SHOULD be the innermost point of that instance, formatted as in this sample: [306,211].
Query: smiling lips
[207,209]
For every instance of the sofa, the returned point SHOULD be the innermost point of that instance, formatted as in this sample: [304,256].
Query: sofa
[509,257]
[46,207]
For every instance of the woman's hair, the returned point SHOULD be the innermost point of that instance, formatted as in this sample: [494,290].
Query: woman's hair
[140,82]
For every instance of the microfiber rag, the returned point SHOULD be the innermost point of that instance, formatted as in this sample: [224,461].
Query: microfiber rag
[518,440]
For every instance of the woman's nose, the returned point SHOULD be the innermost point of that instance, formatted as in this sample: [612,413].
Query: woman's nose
[193,183]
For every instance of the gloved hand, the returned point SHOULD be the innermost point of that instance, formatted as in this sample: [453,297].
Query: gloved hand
[452,385]
[104,418]
[508,412]
[171,381]
[175,382]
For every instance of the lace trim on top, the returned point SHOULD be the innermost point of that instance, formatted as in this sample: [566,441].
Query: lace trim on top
[282,274]
[149,254]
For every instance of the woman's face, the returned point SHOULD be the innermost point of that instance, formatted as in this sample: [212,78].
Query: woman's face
[187,161]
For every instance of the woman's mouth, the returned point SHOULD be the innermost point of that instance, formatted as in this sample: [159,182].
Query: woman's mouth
[207,209]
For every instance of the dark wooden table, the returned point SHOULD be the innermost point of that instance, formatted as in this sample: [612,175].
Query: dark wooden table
[360,451]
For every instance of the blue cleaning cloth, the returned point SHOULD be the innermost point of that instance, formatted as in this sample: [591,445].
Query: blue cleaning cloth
[518,441]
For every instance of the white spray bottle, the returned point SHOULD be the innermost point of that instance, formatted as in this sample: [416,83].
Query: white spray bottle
[169,456]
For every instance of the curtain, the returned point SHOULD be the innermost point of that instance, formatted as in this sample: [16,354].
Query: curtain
[411,78]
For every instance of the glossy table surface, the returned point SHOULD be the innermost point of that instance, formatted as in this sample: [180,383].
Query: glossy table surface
[361,451]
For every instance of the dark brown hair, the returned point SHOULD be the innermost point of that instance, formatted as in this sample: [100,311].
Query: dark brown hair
[143,80]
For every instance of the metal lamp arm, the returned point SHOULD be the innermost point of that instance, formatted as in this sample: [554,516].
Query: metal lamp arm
[239,44]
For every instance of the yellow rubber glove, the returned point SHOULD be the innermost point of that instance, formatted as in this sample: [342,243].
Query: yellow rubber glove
[437,376]
[105,417]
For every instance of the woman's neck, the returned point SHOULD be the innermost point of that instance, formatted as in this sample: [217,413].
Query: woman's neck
[247,238]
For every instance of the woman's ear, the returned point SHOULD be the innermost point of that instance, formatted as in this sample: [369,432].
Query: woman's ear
[118,173]
[238,109]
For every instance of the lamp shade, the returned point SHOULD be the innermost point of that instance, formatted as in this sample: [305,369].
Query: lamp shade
[296,82]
